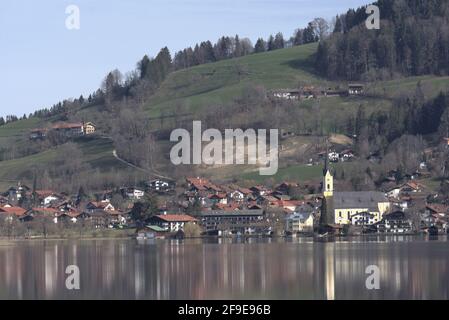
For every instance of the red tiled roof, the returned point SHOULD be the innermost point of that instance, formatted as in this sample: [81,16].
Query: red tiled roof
[13,210]
[44,193]
[413,185]
[45,210]
[287,203]
[228,207]
[99,205]
[199,181]
[176,218]
[245,191]
[438,208]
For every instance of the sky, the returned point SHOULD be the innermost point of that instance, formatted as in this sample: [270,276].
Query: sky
[42,62]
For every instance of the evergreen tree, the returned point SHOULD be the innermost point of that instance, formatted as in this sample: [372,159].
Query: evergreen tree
[279,42]
[260,46]
[308,36]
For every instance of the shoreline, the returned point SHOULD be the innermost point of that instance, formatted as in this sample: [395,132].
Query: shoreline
[313,237]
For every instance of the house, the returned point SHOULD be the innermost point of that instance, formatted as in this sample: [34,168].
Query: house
[282,197]
[285,187]
[335,92]
[252,205]
[100,219]
[219,198]
[333,157]
[245,191]
[160,186]
[69,129]
[237,195]
[363,219]
[150,232]
[134,193]
[89,128]
[102,205]
[346,155]
[70,216]
[428,219]
[36,212]
[260,191]
[437,209]
[287,204]
[118,217]
[395,222]
[47,196]
[16,193]
[10,212]
[197,184]
[236,220]
[172,222]
[405,189]
[309,92]
[355,89]
[302,221]
[342,206]
[37,134]
[287,94]
[3,200]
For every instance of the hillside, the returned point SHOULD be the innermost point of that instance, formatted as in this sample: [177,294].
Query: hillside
[191,92]
[221,82]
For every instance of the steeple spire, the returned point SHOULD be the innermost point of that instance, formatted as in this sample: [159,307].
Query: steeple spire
[326,163]
[328,179]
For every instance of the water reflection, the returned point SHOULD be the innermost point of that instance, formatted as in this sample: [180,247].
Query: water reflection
[226,269]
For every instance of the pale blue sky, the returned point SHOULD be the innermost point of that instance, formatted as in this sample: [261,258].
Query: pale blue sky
[42,62]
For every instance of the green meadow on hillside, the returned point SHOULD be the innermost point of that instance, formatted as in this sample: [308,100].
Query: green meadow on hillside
[219,83]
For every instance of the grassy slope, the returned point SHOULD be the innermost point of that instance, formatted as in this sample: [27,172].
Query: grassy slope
[96,152]
[219,83]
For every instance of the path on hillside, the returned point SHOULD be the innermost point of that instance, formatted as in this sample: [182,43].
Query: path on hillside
[129,164]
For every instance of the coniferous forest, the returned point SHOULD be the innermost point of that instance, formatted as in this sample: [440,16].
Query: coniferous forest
[413,40]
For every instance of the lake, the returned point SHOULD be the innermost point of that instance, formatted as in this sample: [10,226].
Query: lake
[409,268]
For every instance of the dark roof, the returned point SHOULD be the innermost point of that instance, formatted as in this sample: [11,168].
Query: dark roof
[366,214]
[397,215]
[358,200]
[302,217]
[213,213]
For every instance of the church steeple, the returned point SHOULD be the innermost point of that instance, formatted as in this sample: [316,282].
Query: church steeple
[326,164]
[328,180]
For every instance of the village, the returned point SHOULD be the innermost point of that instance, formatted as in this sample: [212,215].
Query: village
[199,207]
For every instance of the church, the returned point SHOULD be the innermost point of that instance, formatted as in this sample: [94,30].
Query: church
[344,208]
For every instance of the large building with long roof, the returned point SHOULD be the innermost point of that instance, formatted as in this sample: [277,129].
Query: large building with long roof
[346,207]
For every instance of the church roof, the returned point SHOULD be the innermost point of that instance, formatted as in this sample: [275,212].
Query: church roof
[358,200]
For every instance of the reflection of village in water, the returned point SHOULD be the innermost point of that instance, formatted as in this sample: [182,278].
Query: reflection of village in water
[256,270]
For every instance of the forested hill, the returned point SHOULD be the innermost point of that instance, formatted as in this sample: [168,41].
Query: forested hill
[413,40]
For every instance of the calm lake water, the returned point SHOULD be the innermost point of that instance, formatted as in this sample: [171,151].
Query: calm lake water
[410,268]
